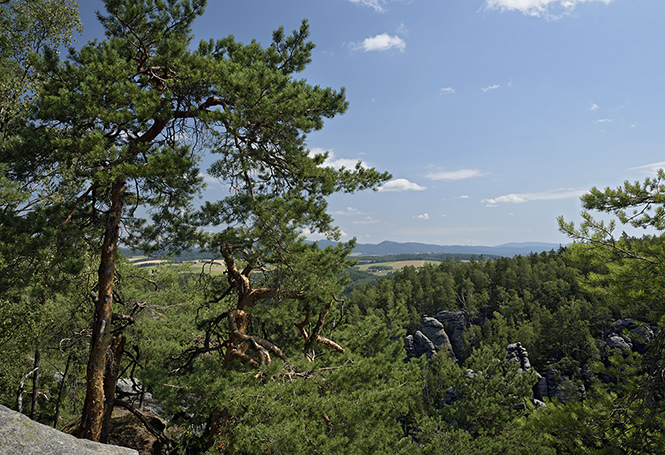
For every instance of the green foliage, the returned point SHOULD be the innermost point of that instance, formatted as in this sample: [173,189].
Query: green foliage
[478,408]
[26,29]
[605,425]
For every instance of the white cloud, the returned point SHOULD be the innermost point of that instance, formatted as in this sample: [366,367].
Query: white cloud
[604,120]
[424,216]
[490,87]
[454,175]
[464,196]
[314,236]
[400,185]
[447,91]
[382,42]
[650,168]
[377,5]
[349,211]
[550,195]
[593,107]
[380,6]
[551,9]
[334,162]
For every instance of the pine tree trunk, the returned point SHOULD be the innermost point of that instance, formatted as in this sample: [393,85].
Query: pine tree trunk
[93,407]
[110,382]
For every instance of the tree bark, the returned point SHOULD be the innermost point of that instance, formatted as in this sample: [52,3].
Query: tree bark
[110,382]
[93,407]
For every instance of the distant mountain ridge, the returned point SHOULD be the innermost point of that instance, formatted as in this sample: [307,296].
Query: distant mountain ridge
[388,248]
[507,250]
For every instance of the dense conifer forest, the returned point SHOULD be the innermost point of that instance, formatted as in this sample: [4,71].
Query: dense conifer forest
[290,349]
[604,396]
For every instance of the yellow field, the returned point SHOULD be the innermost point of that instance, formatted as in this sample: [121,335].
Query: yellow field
[397,265]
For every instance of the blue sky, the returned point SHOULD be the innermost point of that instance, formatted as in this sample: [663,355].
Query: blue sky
[493,116]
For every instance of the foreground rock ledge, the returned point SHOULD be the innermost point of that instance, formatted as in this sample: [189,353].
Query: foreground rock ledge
[21,436]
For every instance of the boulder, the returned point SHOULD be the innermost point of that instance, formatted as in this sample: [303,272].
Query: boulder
[21,436]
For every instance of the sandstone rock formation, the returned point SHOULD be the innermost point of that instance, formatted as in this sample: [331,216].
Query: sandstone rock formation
[444,332]
[21,436]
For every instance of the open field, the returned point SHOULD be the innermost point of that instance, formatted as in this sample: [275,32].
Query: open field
[195,266]
[218,267]
[378,267]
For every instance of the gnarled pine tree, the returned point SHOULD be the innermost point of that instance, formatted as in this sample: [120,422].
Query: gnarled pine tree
[126,120]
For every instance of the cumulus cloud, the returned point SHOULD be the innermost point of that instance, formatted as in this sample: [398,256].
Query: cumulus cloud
[400,185]
[604,120]
[593,107]
[424,216]
[490,87]
[550,195]
[335,162]
[447,90]
[382,42]
[314,236]
[551,9]
[454,175]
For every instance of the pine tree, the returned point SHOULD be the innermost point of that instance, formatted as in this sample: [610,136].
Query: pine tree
[120,125]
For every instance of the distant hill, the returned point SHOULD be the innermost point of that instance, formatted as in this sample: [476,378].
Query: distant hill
[507,250]
[388,248]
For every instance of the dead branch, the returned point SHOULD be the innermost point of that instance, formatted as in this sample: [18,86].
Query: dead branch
[144,420]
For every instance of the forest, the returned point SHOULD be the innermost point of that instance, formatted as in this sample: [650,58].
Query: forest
[290,349]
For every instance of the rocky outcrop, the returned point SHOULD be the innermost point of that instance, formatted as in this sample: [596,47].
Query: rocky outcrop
[418,344]
[21,436]
[442,333]
[515,352]
[627,335]
[455,323]
[445,332]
